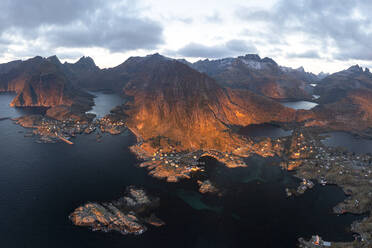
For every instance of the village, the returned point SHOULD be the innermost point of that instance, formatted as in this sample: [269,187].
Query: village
[172,165]
[49,130]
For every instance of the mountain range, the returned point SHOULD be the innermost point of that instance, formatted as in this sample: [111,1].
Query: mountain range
[195,105]
[262,76]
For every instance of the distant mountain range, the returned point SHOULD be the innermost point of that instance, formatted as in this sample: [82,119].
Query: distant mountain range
[262,76]
[195,105]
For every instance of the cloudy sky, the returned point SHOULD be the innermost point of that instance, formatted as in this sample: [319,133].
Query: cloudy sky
[319,35]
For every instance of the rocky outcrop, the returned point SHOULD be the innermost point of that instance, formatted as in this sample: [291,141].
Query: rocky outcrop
[207,187]
[128,215]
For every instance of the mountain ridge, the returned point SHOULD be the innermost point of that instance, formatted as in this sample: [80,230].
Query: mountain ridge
[262,76]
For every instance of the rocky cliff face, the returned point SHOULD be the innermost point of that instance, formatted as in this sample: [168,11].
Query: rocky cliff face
[40,82]
[173,102]
[262,76]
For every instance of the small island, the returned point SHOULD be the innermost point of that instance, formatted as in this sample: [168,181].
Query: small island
[127,215]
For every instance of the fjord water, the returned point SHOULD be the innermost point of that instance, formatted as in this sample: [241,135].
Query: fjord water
[300,105]
[264,130]
[350,142]
[104,102]
[41,184]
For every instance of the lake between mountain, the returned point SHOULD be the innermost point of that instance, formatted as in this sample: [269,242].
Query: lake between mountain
[41,184]
[350,142]
[104,102]
[264,130]
[300,104]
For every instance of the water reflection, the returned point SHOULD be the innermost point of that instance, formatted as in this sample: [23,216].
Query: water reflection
[300,105]
[104,102]
[10,112]
[264,130]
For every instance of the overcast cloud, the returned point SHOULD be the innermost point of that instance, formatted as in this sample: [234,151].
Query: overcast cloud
[230,48]
[319,35]
[341,25]
[113,25]
[306,54]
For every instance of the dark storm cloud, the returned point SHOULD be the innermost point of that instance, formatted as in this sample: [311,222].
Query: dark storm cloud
[311,54]
[33,13]
[341,24]
[115,25]
[115,33]
[230,48]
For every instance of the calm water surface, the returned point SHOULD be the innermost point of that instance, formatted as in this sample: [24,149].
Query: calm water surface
[348,141]
[41,184]
[315,97]
[264,130]
[104,102]
[300,104]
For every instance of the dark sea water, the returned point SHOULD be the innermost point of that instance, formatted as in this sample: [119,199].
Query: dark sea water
[104,102]
[350,142]
[41,184]
[264,130]
[300,104]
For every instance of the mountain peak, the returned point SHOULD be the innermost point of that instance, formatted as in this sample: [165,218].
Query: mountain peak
[322,75]
[54,60]
[184,61]
[86,61]
[154,55]
[269,60]
[300,69]
[157,57]
[253,57]
[35,59]
[355,68]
